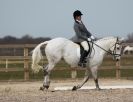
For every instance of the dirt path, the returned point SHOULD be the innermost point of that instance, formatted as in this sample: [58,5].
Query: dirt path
[29,92]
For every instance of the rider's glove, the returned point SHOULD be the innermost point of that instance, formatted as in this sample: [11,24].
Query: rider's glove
[92,37]
[89,39]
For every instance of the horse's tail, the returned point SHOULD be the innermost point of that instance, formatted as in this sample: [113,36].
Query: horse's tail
[36,57]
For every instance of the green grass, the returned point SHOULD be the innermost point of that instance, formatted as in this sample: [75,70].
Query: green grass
[11,75]
[107,73]
[58,74]
[125,72]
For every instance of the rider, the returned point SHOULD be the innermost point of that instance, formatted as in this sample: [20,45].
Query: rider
[82,36]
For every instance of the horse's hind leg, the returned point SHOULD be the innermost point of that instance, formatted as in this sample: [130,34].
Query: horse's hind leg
[47,71]
[53,58]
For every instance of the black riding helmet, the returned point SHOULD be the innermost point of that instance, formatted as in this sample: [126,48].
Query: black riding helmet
[77,13]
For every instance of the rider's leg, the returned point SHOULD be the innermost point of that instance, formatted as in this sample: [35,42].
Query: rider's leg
[85,45]
[84,53]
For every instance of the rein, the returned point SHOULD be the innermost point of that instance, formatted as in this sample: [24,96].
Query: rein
[106,50]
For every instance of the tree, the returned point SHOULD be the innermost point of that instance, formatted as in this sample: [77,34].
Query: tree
[129,38]
[26,39]
[9,39]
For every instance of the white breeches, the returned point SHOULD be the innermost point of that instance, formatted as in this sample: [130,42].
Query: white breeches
[85,45]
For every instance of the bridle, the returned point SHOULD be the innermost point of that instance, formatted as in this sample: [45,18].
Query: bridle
[114,50]
[113,53]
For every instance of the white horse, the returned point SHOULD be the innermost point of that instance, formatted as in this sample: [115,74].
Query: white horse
[58,48]
[128,50]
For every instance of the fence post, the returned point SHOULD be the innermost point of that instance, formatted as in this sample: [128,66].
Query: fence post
[73,73]
[6,65]
[118,73]
[26,64]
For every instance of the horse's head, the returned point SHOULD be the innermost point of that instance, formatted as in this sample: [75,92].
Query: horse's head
[116,49]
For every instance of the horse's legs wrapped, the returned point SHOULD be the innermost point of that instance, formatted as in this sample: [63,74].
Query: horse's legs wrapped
[86,78]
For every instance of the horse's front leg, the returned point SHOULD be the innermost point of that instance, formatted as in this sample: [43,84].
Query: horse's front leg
[94,74]
[86,78]
[97,84]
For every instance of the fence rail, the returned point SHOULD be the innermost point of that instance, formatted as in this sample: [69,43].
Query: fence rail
[26,60]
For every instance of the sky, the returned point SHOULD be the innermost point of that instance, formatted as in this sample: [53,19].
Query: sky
[54,18]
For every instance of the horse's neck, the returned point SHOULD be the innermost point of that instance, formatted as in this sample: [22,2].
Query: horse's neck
[105,44]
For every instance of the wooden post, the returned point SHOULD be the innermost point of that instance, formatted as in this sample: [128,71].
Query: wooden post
[73,73]
[6,65]
[118,73]
[26,64]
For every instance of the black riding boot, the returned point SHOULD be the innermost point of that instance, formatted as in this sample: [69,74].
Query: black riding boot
[83,61]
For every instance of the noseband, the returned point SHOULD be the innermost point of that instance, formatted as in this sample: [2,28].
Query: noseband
[114,51]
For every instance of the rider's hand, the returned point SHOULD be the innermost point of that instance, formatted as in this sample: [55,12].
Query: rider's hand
[89,39]
[92,37]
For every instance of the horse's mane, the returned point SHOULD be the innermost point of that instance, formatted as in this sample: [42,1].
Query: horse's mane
[105,38]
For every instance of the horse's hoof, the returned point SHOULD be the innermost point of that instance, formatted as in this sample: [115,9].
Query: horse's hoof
[74,88]
[98,89]
[46,86]
[42,88]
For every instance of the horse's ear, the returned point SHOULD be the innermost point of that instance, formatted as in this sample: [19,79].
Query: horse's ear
[120,39]
[117,38]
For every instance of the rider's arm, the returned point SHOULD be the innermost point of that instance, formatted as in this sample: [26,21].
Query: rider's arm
[88,33]
[79,34]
